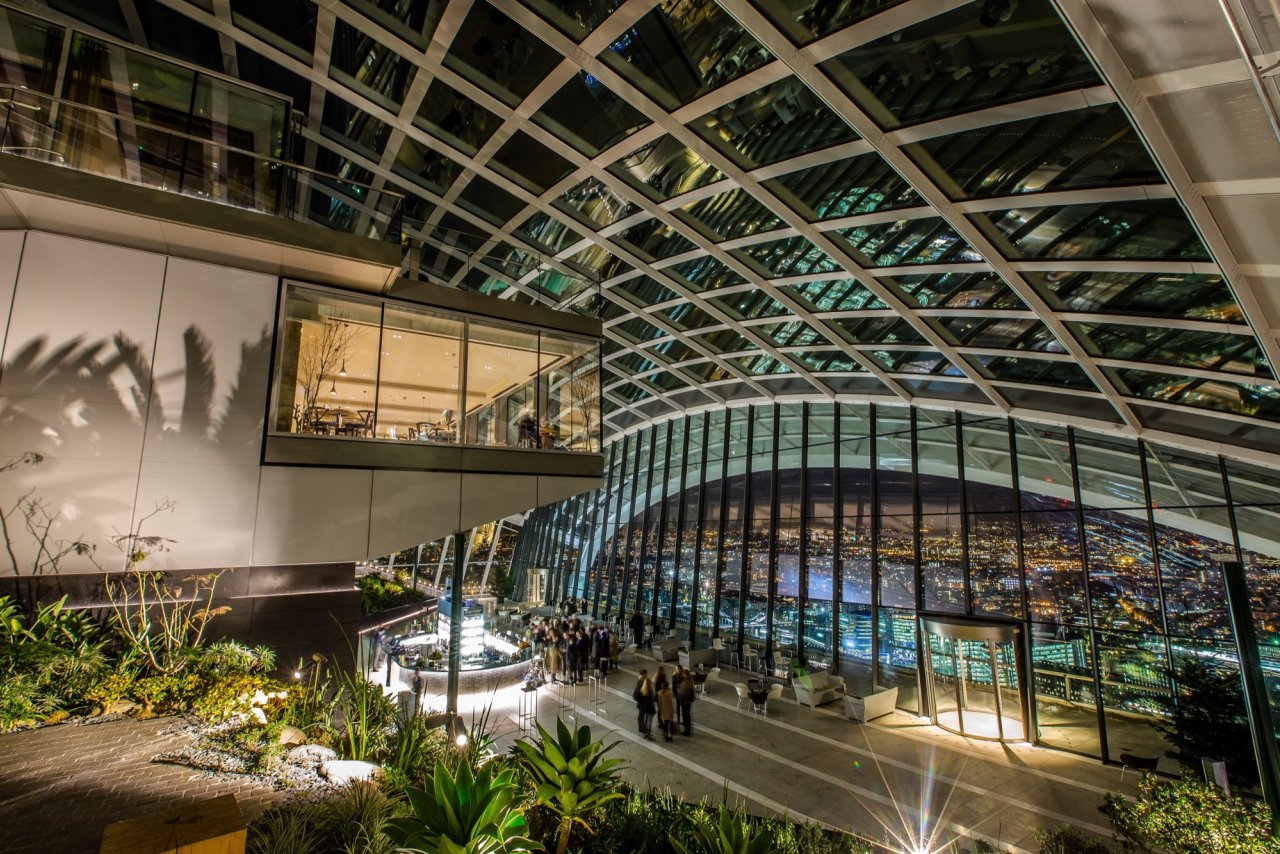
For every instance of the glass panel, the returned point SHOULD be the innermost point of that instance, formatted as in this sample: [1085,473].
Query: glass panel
[1255,399]
[501,404]
[595,204]
[1122,574]
[941,561]
[1151,229]
[1020,369]
[1095,147]
[780,121]
[1193,296]
[588,116]
[806,20]
[418,376]
[1110,472]
[834,295]
[30,54]
[897,656]
[681,50]
[1214,351]
[499,55]
[956,290]
[858,185]
[974,56]
[994,574]
[731,215]
[855,647]
[571,379]
[324,341]
[908,241]
[792,256]
[665,168]
[447,113]
[529,163]
[1135,688]
[1194,598]
[575,18]
[361,61]
[1055,582]
[1066,703]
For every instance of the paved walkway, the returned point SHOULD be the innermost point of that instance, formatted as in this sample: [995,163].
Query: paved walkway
[60,786]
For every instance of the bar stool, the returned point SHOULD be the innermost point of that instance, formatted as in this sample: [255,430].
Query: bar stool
[750,656]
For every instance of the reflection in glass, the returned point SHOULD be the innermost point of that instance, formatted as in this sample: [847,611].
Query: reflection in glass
[857,185]
[1154,229]
[908,241]
[806,20]
[499,55]
[1217,351]
[781,121]
[447,113]
[361,61]
[1190,295]
[1261,400]
[977,55]
[589,116]
[1095,147]
[681,50]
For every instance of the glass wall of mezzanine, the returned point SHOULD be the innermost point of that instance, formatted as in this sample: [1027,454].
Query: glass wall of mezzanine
[826,531]
[373,369]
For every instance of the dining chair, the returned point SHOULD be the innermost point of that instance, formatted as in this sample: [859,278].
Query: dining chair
[741,688]
[775,691]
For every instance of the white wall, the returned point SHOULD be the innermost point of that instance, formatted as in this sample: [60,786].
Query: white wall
[142,379]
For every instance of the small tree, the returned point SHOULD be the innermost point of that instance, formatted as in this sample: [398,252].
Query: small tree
[1208,720]
[322,355]
[571,776]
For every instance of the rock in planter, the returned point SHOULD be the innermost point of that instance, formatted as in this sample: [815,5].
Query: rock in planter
[312,753]
[120,707]
[290,735]
[343,771]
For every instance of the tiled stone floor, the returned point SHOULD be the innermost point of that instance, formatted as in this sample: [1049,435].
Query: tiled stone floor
[60,786]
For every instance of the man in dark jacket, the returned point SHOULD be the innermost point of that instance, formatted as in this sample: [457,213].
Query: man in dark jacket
[685,695]
[600,649]
[582,645]
[637,626]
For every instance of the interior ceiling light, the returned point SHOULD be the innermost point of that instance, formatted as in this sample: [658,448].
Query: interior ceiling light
[333,387]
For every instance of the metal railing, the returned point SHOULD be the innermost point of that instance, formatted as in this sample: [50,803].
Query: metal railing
[89,139]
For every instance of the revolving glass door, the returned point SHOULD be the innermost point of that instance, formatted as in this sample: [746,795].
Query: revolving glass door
[973,680]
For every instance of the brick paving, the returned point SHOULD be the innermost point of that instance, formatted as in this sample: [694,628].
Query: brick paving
[60,786]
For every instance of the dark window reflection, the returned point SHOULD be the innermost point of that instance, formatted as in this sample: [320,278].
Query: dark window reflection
[665,168]
[575,18]
[413,20]
[489,201]
[1195,296]
[986,53]
[705,273]
[858,185]
[750,305]
[655,240]
[291,20]
[645,291]
[782,120]
[1218,351]
[1004,333]
[499,55]
[447,113]
[416,160]
[733,214]
[908,241]
[1148,229]
[1096,147]
[879,330]
[588,116]
[363,131]
[595,204]
[381,72]
[806,20]
[531,164]
[792,256]
[680,50]
[548,232]
[1259,400]
[835,295]
[956,290]
[1038,371]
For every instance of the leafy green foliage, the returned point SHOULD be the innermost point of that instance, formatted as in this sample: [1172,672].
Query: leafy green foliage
[464,812]
[1208,719]
[48,661]
[353,819]
[1188,816]
[731,833]
[1065,839]
[363,717]
[378,593]
[570,776]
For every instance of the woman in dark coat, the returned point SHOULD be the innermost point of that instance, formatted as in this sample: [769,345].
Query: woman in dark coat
[646,704]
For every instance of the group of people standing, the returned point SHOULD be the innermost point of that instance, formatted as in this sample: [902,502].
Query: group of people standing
[569,648]
[670,699]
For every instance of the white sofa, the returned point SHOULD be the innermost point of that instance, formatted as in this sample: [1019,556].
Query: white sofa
[872,706]
[817,688]
[691,658]
[665,650]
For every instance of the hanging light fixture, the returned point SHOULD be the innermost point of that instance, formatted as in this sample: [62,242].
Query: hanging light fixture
[333,387]
[342,372]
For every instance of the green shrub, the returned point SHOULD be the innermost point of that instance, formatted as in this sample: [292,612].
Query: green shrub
[379,594]
[1065,839]
[464,812]
[732,832]
[1187,817]
[570,775]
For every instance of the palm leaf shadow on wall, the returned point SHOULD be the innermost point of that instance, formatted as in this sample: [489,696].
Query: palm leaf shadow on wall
[92,400]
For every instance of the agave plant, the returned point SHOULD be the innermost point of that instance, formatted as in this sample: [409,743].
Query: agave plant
[463,813]
[732,833]
[571,775]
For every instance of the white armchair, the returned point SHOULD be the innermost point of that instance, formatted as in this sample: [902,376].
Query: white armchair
[871,706]
[817,688]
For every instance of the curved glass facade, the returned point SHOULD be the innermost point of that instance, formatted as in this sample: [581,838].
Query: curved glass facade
[823,530]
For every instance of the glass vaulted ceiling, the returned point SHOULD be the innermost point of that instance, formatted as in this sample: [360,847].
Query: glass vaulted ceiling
[725,214]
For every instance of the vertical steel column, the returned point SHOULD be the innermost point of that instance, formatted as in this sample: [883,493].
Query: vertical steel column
[744,573]
[455,629]
[701,533]
[837,540]
[964,518]
[923,690]
[874,474]
[771,586]
[680,522]
[1088,594]
[1028,649]
[722,523]
[802,576]
[662,515]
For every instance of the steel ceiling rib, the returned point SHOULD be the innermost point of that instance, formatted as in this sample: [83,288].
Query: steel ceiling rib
[646,106]
[803,65]
[1079,18]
